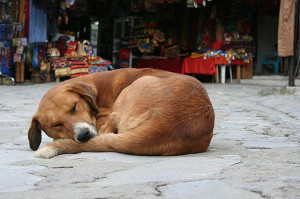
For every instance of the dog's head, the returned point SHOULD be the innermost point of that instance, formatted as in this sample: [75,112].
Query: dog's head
[66,111]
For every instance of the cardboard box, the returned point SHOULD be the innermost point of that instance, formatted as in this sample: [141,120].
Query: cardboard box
[37,79]
[247,71]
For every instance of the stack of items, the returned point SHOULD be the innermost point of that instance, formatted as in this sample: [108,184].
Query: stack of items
[99,65]
[78,60]
[78,68]
[239,54]
[61,67]
[238,41]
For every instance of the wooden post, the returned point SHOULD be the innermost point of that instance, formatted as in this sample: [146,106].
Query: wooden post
[292,71]
[17,77]
[238,73]
[21,11]
[20,69]
[292,59]
[217,74]
[20,66]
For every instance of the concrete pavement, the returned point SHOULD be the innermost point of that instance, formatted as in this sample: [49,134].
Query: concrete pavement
[254,153]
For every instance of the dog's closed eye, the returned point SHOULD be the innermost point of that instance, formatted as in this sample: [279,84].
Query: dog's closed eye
[73,110]
[57,125]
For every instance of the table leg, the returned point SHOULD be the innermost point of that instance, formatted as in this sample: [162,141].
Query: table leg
[238,73]
[223,70]
[217,74]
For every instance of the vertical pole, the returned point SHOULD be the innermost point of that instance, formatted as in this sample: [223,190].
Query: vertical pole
[292,59]
[223,73]
[238,73]
[217,74]
[291,71]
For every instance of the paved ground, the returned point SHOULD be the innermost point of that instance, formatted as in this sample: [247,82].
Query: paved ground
[254,153]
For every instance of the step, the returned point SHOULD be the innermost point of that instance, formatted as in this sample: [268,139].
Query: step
[270,80]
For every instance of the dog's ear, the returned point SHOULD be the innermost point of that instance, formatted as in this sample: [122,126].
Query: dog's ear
[87,92]
[34,134]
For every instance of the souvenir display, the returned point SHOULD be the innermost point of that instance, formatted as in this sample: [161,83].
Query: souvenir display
[135,33]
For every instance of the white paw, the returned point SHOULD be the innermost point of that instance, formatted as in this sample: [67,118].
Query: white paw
[46,152]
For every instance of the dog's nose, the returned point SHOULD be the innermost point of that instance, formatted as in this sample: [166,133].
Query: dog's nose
[84,135]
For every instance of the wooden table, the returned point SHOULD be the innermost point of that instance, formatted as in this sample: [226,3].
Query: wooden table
[210,66]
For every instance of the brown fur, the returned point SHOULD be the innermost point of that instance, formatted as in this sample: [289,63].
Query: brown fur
[136,111]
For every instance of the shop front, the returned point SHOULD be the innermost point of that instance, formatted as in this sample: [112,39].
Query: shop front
[59,39]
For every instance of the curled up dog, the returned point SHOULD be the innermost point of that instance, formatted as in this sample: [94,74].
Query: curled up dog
[133,111]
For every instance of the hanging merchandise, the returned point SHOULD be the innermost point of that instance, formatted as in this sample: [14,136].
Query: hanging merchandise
[35,57]
[158,1]
[6,10]
[43,65]
[20,50]
[136,5]
[52,27]
[149,6]
[67,4]
[29,55]
[286,28]
[197,3]
[5,57]
[66,18]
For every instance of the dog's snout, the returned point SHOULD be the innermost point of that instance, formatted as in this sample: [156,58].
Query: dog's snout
[84,135]
[84,132]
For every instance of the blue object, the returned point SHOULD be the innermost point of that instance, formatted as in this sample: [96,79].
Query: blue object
[37,21]
[6,71]
[272,59]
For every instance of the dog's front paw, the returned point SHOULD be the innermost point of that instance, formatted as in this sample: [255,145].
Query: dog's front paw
[46,152]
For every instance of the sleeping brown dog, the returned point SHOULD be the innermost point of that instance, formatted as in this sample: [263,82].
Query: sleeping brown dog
[134,111]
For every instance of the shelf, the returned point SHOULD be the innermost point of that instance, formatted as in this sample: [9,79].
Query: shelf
[139,36]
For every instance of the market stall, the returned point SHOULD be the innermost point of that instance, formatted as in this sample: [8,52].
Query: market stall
[185,38]
[54,39]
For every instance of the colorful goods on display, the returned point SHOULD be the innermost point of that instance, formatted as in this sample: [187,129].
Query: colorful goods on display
[236,47]
[78,66]
[78,59]
[230,55]
[79,70]
[146,37]
[97,69]
[13,48]
[67,4]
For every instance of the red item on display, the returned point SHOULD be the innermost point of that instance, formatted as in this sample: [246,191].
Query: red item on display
[170,64]
[199,66]
[217,45]
[206,66]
